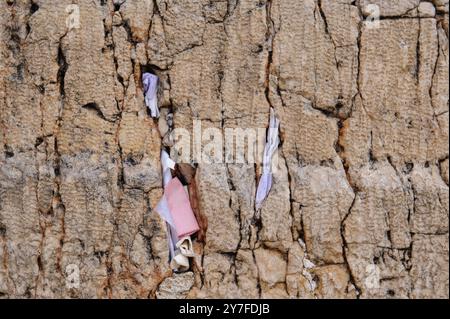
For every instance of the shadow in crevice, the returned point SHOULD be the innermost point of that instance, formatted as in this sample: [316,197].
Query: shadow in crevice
[150,68]
[95,108]
[34,7]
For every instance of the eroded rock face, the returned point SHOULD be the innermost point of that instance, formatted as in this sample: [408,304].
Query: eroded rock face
[359,205]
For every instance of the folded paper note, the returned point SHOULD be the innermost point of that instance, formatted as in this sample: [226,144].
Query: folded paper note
[174,207]
[185,246]
[150,82]
[184,250]
[180,262]
[265,182]
[180,209]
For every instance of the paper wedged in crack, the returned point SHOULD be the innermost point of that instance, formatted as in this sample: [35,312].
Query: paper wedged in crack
[359,204]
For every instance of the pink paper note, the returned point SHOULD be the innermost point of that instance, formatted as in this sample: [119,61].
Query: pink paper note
[180,209]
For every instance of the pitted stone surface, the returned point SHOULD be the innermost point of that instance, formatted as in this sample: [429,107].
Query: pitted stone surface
[359,205]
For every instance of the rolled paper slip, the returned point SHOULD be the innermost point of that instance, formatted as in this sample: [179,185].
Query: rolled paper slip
[264,186]
[150,82]
[167,164]
[265,183]
[164,212]
[180,209]
[163,208]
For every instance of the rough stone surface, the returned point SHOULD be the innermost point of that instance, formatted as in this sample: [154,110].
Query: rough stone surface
[176,287]
[359,205]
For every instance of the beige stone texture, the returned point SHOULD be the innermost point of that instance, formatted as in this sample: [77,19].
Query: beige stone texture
[360,200]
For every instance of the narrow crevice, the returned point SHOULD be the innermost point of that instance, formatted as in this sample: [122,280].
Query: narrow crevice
[156,8]
[324,18]
[63,66]
[435,67]
[417,69]
[401,17]
[238,213]
[258,277]
[327,32]
[341,152]
[345,248]
[58,205]
[291,196]
[117,6]
[41,270]
[301,234]
[127,27]
[34,7]
[270,35]
[94,108]
[14,43]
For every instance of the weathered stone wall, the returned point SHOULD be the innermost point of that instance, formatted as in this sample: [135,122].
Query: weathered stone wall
[359,207]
